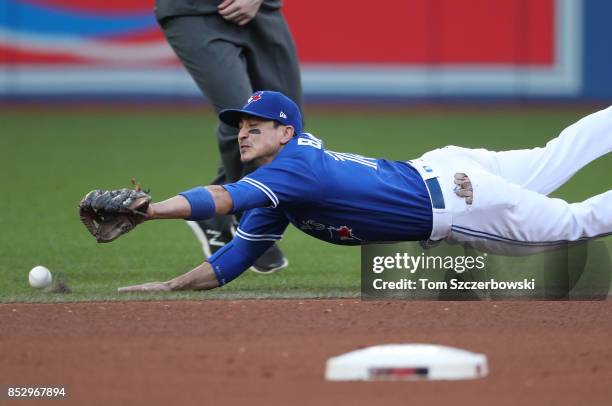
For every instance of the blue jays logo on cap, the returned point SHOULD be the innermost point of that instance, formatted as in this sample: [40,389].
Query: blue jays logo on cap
[267,105]
[254,97]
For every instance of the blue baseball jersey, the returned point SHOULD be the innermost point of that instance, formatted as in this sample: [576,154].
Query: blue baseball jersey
[337,197]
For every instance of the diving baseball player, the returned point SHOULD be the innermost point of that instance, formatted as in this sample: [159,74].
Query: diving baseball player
[450,193]
[231,48]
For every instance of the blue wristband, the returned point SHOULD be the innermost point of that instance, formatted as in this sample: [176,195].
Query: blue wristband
[201,202]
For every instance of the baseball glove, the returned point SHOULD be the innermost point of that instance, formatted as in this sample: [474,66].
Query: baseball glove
[108,214]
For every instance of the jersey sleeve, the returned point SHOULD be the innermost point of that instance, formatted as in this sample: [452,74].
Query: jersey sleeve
[258,230]
[282,182]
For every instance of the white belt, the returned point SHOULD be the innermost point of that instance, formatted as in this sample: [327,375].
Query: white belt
[442,218]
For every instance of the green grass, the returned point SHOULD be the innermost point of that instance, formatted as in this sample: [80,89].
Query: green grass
[50,159]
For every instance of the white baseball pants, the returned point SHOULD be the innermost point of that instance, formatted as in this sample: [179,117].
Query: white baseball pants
[510,189]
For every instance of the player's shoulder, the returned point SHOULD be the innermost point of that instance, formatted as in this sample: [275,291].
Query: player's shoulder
[303,144]
[307,139]
[301,151]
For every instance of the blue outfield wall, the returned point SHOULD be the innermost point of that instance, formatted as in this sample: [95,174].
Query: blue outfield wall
[597,68]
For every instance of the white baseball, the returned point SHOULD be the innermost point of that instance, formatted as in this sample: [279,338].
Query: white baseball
[40,277]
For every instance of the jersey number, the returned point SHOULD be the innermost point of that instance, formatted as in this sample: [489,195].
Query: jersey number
[310,141]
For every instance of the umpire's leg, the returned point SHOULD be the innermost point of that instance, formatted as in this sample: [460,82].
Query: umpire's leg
[272,57]
[210,49]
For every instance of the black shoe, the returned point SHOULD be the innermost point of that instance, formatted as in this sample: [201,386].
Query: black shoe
[270,261]
[214,233]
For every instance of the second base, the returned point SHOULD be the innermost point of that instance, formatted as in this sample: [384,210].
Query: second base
[406,362]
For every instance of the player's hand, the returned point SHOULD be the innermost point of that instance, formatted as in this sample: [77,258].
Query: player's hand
[147,287]
[464,187]
[239,12]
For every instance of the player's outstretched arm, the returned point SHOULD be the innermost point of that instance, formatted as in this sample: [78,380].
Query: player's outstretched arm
[200,278]
[195,204]
[178,207]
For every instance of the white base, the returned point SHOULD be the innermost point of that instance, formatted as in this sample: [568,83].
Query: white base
[406,362]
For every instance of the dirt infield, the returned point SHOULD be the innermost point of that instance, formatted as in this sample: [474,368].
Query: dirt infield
[272,352]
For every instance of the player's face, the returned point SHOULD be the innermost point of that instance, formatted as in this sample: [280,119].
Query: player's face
[260,141]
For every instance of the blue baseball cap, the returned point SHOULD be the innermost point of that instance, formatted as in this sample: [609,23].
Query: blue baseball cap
[268,105]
